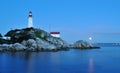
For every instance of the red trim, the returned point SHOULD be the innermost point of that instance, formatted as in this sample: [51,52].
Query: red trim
[54,32]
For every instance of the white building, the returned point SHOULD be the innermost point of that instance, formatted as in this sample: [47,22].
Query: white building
[30,20]
[6,38]
[55,34]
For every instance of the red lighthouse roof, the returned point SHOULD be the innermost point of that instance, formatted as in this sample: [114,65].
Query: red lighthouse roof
[54,32]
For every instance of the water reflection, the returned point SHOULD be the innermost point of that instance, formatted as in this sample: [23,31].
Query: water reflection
[91,66]
[73,61]
[22,55]
[29,62]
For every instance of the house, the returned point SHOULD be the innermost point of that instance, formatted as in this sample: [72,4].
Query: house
[55,34]
[6,38]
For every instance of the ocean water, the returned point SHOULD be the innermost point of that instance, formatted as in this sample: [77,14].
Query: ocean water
[104,60]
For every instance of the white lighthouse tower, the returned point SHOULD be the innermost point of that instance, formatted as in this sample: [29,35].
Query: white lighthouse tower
[30,21]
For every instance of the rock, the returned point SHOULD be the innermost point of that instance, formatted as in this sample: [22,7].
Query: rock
[31,43]
[19,35]
[18,47]
[38,44]
[4,47]
[82,44]
[44,45]
[33,39]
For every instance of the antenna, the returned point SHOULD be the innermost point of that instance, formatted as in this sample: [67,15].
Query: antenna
[49,28]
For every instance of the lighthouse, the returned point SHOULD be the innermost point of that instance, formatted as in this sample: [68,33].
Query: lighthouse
[30,21]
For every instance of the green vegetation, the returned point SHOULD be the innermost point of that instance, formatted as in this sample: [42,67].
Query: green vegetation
[39,35]
[0,35]
[18,35]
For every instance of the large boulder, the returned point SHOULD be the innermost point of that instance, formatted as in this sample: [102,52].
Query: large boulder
[18,47]
[82,44]
[44,44]
[30,44]
[38,44]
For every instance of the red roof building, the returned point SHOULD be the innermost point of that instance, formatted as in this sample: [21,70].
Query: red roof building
[55,34]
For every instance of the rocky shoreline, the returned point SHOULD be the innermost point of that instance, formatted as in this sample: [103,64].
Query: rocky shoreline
[37,40]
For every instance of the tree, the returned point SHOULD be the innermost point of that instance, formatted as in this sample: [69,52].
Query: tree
[0,35]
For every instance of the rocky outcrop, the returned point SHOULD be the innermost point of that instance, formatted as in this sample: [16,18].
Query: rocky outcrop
[29,45]
[38,44]
[18,35]
[33,39]
[18,47]
[83,45]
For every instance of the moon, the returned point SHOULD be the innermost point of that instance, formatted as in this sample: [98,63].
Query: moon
[90,38]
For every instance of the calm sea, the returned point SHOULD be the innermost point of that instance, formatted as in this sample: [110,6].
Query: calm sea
[104,60]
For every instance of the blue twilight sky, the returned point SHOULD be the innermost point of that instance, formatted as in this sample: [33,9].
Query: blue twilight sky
[75,19]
